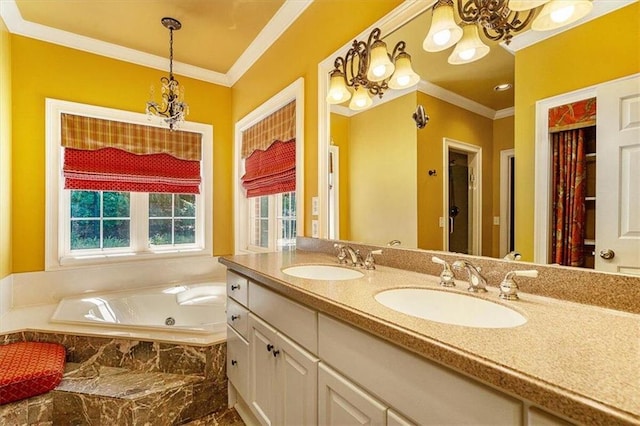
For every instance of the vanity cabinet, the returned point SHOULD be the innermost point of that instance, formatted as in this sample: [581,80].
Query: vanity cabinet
[282,378]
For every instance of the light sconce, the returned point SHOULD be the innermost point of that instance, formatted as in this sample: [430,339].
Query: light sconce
[172,107]
[369,70]
[499,19]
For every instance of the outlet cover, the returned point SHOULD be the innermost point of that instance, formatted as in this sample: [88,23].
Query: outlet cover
[496,220]
[314,206]
[314,229]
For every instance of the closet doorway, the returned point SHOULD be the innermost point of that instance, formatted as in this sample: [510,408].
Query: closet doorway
[462,196]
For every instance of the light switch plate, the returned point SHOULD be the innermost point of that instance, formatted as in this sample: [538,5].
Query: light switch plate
[314,228]
[496,220]
[314,206]
[441,222]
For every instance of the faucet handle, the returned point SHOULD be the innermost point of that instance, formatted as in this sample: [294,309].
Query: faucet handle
[446,276]
[509,287]
[369,262]
[342,252]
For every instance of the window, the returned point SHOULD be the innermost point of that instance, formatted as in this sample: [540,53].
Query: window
[272,222]
[107,226]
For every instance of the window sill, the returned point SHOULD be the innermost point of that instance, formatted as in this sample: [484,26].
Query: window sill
[71,262]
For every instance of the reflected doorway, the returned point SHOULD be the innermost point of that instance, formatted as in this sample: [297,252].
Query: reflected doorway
[462,197]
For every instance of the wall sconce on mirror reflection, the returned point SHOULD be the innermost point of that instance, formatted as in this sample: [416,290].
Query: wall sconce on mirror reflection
[368,70]
[420,117]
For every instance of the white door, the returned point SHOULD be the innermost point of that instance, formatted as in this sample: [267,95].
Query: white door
[340,402]
[297,372]
[262,377]
[618,177]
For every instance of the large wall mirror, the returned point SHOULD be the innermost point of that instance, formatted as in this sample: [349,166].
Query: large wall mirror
[448,186]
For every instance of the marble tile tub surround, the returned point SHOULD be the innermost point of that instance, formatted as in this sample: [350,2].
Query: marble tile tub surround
[127,382]
[613,291]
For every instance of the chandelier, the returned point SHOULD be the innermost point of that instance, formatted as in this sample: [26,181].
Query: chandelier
[498,19]
[369,70]
[172,107]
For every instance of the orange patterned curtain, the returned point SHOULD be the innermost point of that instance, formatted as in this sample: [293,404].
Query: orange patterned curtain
[569,190]
[573,116]
[279,126]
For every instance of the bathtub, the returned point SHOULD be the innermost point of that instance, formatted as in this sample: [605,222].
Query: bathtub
[193,308]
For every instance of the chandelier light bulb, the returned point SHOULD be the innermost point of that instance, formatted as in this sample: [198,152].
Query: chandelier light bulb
[404,76]
[360,100]
[560,16]
[338,92]
[558,13]
[380,66]
[444,32]
[470,48]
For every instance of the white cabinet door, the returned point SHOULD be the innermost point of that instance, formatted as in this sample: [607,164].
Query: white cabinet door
[297,372]
[340,402]
[618,176]
[262,376]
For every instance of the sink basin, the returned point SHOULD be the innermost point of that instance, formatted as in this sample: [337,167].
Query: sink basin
[450,308]
[323,272]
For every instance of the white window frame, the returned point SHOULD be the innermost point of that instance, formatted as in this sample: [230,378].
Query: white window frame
[295,91]
[274,223]
[57,235]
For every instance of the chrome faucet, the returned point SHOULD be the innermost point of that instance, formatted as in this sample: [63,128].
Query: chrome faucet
[394,243]
[477,283]
[369,262]
[508,286]
[342,253]
[354,255]
[446,276]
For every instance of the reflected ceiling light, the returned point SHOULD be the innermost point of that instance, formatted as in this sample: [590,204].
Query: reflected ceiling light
[499,20]
[369,70]
[503,87]
[470,48]
[172,108]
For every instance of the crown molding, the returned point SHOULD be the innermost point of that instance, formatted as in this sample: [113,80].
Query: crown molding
[283,18]
[455,99]
[530,37]
[504,113]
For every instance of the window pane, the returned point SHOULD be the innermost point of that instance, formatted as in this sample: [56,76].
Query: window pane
[185,231]
[160,231]
[115,233]
[85,234]
[160,205]
[85,204]
[185,205]
[264,206]
[115,204]
[264,233]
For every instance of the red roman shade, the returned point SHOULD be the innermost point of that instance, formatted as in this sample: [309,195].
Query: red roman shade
[116,156]
[269,150]
[271,171]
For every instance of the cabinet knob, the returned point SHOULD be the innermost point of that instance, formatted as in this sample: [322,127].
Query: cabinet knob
[607,254]
[276,352]
[269,347]
[235,287]
[235,317]
[234,362]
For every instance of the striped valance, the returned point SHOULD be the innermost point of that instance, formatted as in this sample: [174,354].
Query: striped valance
[90,134]
[573,116]
[279,126]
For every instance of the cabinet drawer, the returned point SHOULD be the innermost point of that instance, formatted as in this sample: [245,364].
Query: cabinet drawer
[292,319]
[238,317]
[238,362]
[237,287]
[427,393]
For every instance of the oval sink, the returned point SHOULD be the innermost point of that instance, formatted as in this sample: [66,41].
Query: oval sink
[323,272]
[450,308]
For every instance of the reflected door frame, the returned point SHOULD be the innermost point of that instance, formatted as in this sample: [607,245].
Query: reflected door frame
[506,200]
[474,154]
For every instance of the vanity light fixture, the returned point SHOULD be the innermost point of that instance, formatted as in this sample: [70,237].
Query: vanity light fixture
[499,19]
[172,107]
[369,70]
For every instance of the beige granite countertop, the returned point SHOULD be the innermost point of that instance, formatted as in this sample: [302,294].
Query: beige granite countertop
[577,360]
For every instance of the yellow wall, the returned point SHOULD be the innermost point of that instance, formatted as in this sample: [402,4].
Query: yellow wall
[502,139]
[383,197]
[340,138]
[449,121]
[5,151]
[42,70]
[603,49]
[324,27]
